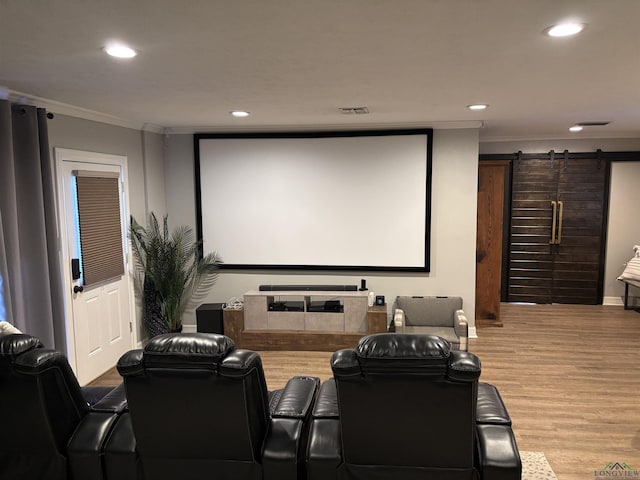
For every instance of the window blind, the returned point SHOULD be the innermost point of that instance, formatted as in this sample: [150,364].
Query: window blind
[100,226]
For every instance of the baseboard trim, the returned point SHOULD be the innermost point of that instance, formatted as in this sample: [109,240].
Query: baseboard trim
[473,332]
[617,301]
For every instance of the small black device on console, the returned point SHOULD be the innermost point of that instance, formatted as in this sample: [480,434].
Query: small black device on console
[363,285]
[379,299]
[287,306]
[326,306]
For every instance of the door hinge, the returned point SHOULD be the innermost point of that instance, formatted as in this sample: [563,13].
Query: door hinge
[130,327]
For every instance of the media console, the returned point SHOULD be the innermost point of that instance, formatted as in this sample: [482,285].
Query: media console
[303,320]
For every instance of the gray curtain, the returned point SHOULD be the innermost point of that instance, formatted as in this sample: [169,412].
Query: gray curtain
[29,241]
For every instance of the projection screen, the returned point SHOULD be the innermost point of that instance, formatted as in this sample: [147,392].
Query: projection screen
[356,201]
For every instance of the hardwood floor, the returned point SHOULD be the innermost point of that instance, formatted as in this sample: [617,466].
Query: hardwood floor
[570,378]
[569,375]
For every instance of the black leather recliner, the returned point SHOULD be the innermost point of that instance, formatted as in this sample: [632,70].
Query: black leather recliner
[51,428]
[199,408]
[406,407]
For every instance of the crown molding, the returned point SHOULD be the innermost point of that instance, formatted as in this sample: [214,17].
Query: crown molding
[447,125]
[61,108]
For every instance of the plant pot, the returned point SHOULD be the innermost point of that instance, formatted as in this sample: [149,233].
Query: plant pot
[154,322]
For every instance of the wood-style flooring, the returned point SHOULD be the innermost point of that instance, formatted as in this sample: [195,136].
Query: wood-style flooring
[569,375]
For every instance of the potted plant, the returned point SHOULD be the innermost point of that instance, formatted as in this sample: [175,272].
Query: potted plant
[171,274]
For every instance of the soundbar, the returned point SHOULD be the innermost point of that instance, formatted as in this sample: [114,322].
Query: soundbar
[308,288]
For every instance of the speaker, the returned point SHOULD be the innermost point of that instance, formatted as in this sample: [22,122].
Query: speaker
[308,288]
[209,318]
[379,299]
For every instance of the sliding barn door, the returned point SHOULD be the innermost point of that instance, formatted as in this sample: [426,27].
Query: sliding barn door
[558,220]
[492,182]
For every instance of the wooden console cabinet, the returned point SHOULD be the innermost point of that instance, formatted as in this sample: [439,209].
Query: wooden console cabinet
[263,326]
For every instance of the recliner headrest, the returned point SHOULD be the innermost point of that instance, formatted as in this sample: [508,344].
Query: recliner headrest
[401,353]
[15,344]
[178,351]
[403,345]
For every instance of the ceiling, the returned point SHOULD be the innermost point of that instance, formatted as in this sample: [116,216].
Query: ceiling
[294,63]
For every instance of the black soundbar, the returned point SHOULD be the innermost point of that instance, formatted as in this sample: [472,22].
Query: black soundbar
[308,288]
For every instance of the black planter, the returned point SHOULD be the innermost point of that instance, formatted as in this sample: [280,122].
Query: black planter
[154,322]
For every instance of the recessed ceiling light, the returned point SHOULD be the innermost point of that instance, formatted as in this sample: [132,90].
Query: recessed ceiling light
[565,29]
[119,50]
[477,106]
[575,128]
[240,113]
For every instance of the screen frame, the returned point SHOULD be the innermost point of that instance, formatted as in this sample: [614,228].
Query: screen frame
[428,132]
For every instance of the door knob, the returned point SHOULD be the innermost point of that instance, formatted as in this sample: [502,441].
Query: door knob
[77,288]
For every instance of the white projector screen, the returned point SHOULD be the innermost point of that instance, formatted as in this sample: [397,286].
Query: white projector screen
[316,201]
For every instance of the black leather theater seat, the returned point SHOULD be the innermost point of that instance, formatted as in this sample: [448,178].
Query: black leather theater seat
[51,428]
[199,408]
[406,407]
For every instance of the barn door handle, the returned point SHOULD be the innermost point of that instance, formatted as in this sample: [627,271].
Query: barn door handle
[554,205]
[559,238]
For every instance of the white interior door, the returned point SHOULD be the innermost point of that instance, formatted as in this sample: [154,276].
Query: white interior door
[99,316]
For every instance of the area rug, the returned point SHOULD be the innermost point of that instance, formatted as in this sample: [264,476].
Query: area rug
[536,467]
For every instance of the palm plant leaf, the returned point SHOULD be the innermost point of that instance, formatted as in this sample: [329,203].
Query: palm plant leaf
[171,261]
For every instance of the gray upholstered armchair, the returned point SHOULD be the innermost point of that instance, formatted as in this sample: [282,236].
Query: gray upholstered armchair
[441,316]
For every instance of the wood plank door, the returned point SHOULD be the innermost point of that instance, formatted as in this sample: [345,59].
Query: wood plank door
[558,220]
[492,176]
[578,266]
[531,256]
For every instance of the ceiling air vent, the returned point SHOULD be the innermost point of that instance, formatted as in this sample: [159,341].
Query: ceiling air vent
[593,124]
[354,110]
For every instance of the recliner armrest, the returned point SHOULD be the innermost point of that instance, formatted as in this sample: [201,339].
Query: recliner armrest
[498,453]
[86,446]
[461,327]
[324,449]
[87,443]
[115,401]
[296,398]
[283,453]
[398,319]
[460,323]
[490,408]
[121,460]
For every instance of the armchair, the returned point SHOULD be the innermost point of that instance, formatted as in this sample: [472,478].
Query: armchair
[51,427]
[199,408]
[441,316]
[406,407]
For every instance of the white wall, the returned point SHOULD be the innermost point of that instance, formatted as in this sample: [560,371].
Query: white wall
[624,229]
[622,232]
[453,228]
[180,180]
[154,175]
